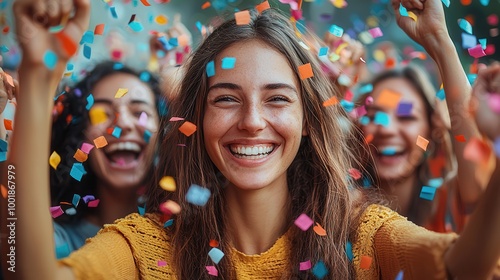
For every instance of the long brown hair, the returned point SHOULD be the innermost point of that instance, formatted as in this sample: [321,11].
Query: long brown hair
[318,179]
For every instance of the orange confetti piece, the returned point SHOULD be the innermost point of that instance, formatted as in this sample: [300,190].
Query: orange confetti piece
[206,5]
[80,156]
[7,124]
[332,101]
[422,142]
[187,128]
[67,43]
[145,3]
[388,98]
[319,230]
[470,19]
[369,138]
[161,20]
[242,17]
[99,29]
[390,63]
[214,243]
[477,151]
[466,2]
[3,189]
[460,138]
[365,262]
[305,71]
[262,6]
[6,29]
[100,142]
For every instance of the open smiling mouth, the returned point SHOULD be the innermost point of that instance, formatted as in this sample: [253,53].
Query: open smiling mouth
[251,152]
[123,154]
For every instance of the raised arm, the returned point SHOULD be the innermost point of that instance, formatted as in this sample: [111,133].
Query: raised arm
[478,245]
[430,31]
[29,152]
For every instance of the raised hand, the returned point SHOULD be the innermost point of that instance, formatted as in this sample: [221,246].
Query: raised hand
[8,89]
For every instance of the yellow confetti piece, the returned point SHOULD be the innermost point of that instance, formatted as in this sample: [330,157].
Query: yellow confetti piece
[341,47]
[338,3]
[161,20]
[167,183]
[412,15]
[422,142]
[121,92]
[97,115]
[54,160]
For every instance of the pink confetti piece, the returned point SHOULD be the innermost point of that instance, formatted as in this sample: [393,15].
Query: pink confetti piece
[492,20]
[376,32]
[494,102]
[143,119]
[93,203]
[176,119]
[56,211]
[162,263]
[476,51]
[354,173]
[303,222]
[212,270]
[305,265]
[86,148]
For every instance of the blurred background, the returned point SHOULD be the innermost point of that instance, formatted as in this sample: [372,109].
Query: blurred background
[355,17]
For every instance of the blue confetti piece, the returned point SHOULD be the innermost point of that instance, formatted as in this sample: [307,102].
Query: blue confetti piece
[210,69]
[399,276]
[62,251]
[319,270]
[135,3]
[162,107]
[472,78]
[465,25]
[87,38]
[78,92]
[484,2]
[113,12]
[147,136]
[199,26]
[173,42]
[76,200]
[3,156]
[87,51]
[3,5]
[117,66]
[168,223]
[347,105]
[365,89]
[141,210]
[164,42]
[427,193]
[388,151]
[446,3]
[435,183]
[366,182]
[323,51]
[403,11]
[117,131]
[145,77]
[404,109]
[468,41]
[441,94]
[70,67]
[364,120]
[88,198]
[336,30]
[136,26]
[90,102]
[496,146]
[77,171]
[216,255]
[382,119]
[50,59]
[3,145]
[150,18]
[4,48]
[483,43]
[197,195]
[301,26]
[70,211]
[348,250]
[228,62]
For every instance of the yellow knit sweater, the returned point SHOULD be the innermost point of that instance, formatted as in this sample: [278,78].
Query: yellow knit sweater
[137,247]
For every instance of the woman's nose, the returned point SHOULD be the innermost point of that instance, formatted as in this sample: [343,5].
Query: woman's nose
[252,118]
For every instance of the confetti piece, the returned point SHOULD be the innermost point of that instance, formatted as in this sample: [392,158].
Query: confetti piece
[212,270]
[336,30]
[303,222]
[50,59]
[4,48]
[330,102]
[412,15]
[477,151]
[376,32]
[319,270]
[4,191]
[161,19]
[492,20]
[402,10]
[382,119]
[305,265]
[100,142]
[228,62]
[468,41]
[422,142]
[427,193]
[87,38]
[388,151]
[323,51]
[366,89]
[175,119]
[141,210]
[435,182]
[401,273]
[62,251]
[213,243]
[87,51]
[388,99]
[97,116]
[121,92]
[365,262]
[483,43]
[8,125]
[262,6]
[161,263]
[136,26]
[168,223]
[99,29]
[197,195]
[93,203]
[70,211]
[476,51]
[113,12]
[496,146]
[210,69]
[88,198]
[77,171]
[446,3]
[319,230]
[143,119]
[167,183]
[206,5]
[354,173]
[56,211]
[80,156]
[305,71]
[170,208]
[76,200]
[145,3]
[364,120]
[465,25]
[404,109]
[147,136]
[242,17]
[187,128]
[348,250]
[216,255]
[460,138]
[494,102]
[54,160]
[441,94]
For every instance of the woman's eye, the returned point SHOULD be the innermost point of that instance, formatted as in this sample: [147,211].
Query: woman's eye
[224,99]
[279,98]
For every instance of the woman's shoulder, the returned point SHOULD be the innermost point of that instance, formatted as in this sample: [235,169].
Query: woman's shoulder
[149,224]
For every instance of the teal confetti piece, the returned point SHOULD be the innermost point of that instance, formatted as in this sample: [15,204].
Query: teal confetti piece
[4,48]
[70,67]
[168,223]
[210,69]
[70,211]
[3,156]
[62,251]
[141,210]
[465,25]
[147,136]
[441,94]
[435,183]
[117,66]
[348,250]
[77,171]
[3,145]
[336,30]
[113,12]
[403,11]
[319,270]
[347,105]
[427,193]
[50,59]
[364,120]
[87,51]
[117,131]
[76,200]
[446,3]
[323,51]
[136,26]
[216,255]
[365,89]
[484,2]
[228,62]
[145,76]
[483,43]
[199,26]
[90,102]
[197,195]
[382,119]
[173,42]
[87,38]
[472,78]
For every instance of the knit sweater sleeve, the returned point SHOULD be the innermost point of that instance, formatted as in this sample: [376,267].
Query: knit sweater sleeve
[134,247]
[388,244]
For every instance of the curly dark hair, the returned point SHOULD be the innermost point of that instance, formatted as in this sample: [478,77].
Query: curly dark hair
[70,119]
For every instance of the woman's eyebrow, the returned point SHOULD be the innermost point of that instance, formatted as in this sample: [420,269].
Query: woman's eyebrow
[280,86]
[225,86]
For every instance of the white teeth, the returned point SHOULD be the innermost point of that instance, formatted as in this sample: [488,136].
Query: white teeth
[252,150]
[124,146]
